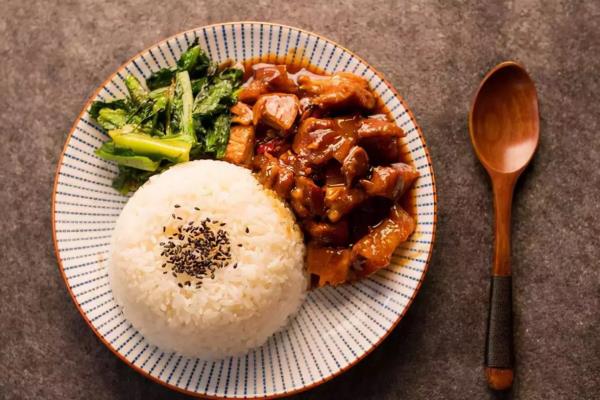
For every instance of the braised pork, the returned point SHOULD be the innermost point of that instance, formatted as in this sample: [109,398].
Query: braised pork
[320,144]
[341,90]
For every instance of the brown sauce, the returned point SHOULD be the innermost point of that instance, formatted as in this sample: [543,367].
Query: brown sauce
[328,146]
[296,63]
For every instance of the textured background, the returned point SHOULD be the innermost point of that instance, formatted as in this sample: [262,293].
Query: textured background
[53,54]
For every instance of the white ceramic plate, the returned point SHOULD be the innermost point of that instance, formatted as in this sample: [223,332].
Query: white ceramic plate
[334,329]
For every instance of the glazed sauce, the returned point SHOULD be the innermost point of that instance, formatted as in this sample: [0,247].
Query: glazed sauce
[379,207]
[313,138]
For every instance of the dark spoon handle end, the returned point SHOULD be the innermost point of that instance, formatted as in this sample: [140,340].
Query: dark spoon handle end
[499,342]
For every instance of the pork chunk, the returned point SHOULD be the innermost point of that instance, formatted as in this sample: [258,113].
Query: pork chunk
[276,77]
[390,181]
[340,200]
[274,174]
[242,114]
[240,146]
[319,140]
[327,233]
[340,90]
[330,266]
[375,127]
[276,110]
[355,165]
[374,250]
[266,78]
[307,199]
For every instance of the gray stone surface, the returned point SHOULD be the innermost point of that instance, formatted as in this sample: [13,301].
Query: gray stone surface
[53,54]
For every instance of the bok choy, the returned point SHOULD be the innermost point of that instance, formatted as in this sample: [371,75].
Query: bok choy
[177,114]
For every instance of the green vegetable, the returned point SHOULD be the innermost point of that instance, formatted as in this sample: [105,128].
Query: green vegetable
[198,85]
[129,159]
[194,60]
[175,149]
[113,105]
[216,139]
[109,118]
[182,107]
[130,179]
[160,104]
[136,90]
[233,75]
[216,99]
[183,114]
[158,93]
[161,78]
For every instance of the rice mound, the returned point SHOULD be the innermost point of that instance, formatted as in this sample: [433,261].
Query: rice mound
[241,307]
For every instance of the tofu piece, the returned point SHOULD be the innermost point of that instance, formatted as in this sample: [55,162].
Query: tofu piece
[240,147]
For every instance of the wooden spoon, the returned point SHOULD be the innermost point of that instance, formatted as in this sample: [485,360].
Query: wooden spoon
[504,129]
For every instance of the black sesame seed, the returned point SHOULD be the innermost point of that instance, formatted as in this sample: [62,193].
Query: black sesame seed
[198,250]
[180,285]
[247,230]
[164,228]
[177,206]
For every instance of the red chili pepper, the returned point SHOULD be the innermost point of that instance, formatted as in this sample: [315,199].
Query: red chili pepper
[271,146]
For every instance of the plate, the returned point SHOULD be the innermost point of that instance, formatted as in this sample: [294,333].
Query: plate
[334,329]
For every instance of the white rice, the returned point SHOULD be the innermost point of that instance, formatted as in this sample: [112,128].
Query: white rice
[240,308]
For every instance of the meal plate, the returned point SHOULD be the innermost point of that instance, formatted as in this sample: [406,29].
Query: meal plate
[334,329]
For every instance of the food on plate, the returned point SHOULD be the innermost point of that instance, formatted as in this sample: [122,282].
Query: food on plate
[207,262]
[180,114]
[239,147]
[321,143]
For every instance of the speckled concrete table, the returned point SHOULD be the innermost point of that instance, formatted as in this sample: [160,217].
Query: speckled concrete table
[53,54]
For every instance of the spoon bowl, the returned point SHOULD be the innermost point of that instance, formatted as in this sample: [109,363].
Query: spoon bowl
[504,121]
[504,129]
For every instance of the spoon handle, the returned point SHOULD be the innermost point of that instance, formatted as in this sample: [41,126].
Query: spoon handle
[498,346]
[499,343]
